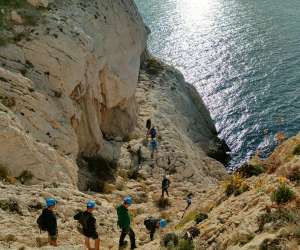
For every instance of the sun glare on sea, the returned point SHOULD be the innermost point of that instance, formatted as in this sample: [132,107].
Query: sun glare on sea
[196,12]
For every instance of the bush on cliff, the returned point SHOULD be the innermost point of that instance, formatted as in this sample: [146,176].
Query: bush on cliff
[282,194]
[248,170]
[296,151]
[235,185]
[3,173]
[153,66]
[279,217]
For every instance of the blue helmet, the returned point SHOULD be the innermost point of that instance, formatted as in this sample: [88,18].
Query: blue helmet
[162,223]
[128,200]
[91,204]
[50,202]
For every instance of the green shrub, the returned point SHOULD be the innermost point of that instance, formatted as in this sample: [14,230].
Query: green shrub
[200,217]
[11,205]
[248,170]
[296,151]
[163,203]
[280,217]
[294,176]
[185,245]
[153,66]
[3,173]
[235,185]
[170,240]
[282,194]
[296,233]
[271,244]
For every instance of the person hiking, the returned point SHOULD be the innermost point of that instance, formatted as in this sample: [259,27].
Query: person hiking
[153,147]
[152,224]
[165,186]
[148,127]
[47,221]
[153,132]
[88,226]
[124,223]
[189,202]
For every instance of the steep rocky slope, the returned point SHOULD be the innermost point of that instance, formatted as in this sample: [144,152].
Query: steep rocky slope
[190,169]
[68,77]
[255,219]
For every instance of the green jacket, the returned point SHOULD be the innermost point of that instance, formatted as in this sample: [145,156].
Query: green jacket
[123,217]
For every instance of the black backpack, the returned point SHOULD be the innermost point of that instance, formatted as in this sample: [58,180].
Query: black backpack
[41,221]
[153,133]
[148,124]
[148,223]
[82,222]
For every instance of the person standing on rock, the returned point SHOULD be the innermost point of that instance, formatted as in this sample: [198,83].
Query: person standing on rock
[47,221]
[152,224]
[88,224]
[124,223]
[165,186]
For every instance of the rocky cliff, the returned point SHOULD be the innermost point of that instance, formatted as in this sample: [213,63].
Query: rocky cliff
[68,74]
[76,89]
[67,83]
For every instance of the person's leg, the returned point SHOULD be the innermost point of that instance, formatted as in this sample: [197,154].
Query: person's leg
[162,193]
[132,239]
[122,237]
[152,234]
[52,240]
[167,192]
[87,243]
[97,244]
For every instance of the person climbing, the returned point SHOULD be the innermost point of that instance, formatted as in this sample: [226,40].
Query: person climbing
[165,186]
[47,221]
[88,226]
[153,132]
[124,223]
[189,203]
[152,224]
[148,127]
[153,147]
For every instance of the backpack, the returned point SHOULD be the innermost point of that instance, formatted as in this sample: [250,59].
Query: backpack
[148,223]
[153,132]
[42,223]
[82,222]
[148,124]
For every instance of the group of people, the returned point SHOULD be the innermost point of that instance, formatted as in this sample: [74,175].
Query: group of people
[87,225]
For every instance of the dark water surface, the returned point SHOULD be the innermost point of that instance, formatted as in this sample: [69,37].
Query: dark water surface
[244,58]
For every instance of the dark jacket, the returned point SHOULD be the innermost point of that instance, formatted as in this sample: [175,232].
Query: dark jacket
[50,221]
[151,225]
[165,183]
[123,217]
[88,223]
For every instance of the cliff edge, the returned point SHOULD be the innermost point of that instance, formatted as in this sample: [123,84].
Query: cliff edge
[69,73]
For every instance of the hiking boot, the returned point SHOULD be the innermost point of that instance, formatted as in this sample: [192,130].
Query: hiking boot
[123,245]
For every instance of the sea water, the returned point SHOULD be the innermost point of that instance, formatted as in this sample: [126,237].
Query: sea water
[243,56]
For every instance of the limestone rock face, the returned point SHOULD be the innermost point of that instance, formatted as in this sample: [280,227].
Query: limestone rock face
[68,85]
